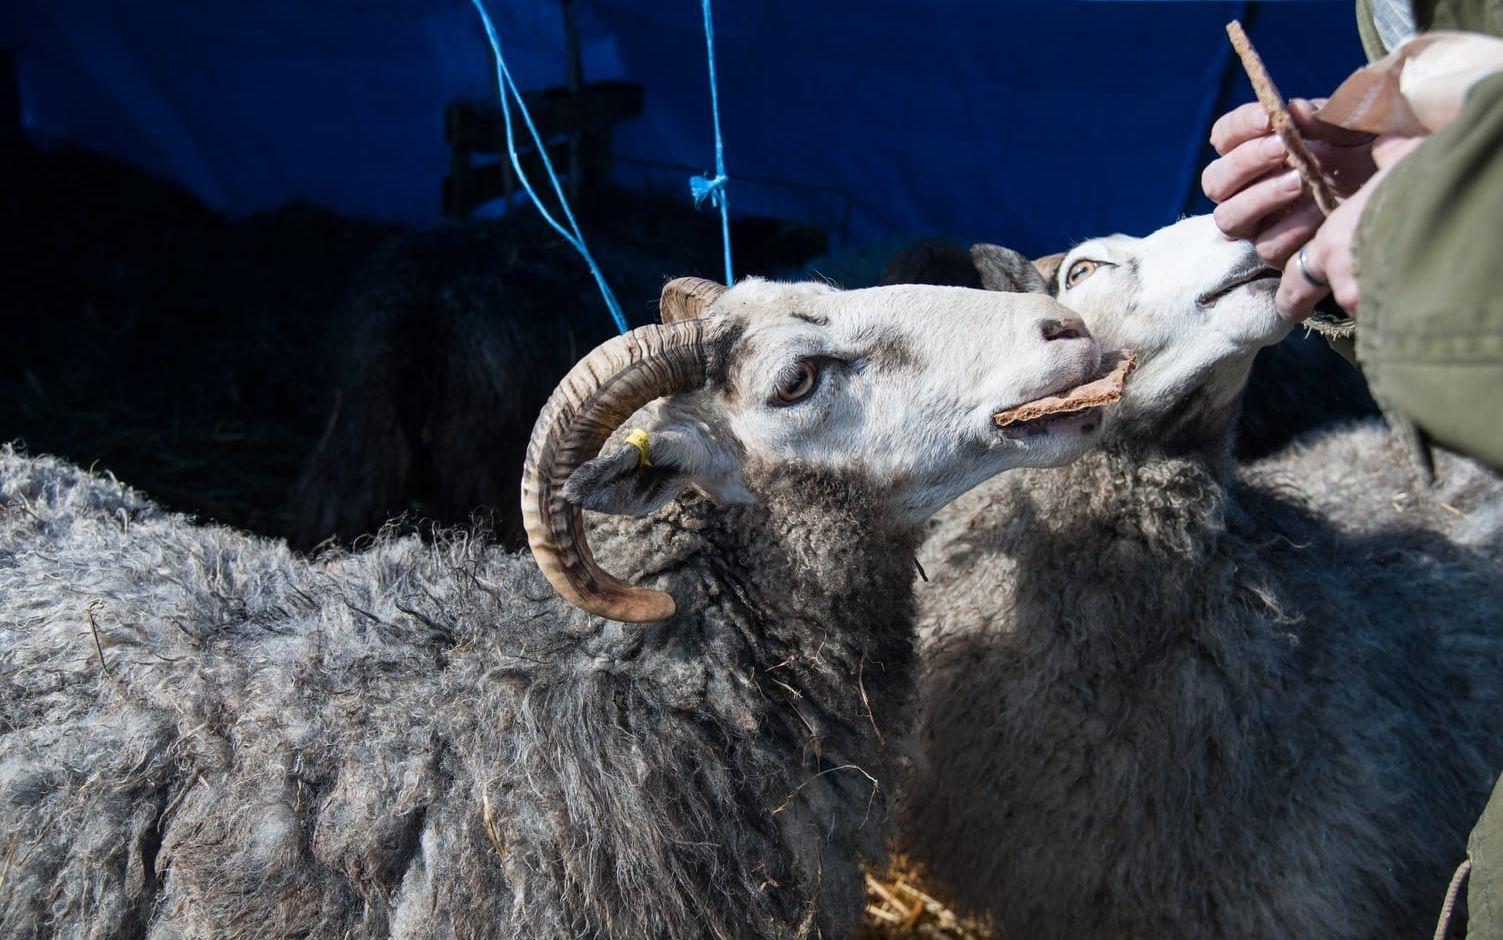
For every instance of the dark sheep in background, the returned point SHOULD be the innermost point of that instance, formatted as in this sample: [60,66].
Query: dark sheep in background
[932,261]
[449,344]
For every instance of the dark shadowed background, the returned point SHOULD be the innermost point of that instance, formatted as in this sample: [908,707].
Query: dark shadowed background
[1025,123]
[200,200]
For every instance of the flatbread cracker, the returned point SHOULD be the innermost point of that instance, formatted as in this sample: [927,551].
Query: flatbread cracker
[1283,123]
[1105,389]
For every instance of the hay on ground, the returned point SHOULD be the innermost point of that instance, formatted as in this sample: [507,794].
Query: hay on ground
[901,906]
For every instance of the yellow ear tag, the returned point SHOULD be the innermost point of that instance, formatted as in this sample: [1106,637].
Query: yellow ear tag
[639,439]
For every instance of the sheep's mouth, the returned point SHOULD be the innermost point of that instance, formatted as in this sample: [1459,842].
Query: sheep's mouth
[1068,405]
[1241,277]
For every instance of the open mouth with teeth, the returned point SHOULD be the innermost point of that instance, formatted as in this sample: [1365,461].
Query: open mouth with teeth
[1241,277]
[1068,406]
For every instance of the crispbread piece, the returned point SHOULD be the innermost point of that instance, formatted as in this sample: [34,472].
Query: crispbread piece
[1105,389]
[1283,123]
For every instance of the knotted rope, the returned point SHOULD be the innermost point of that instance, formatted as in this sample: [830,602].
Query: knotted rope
[713,188]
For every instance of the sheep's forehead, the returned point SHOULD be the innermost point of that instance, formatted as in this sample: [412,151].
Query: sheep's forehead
[907,326]
[1167,268]
[1113,248]
[901,339]
[765,324]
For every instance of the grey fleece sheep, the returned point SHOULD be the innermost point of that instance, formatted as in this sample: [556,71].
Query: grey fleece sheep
[423,740]
[1161,701]
[207,736]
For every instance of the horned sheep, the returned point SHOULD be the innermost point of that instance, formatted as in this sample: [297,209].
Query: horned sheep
[206,734]
[1160,700]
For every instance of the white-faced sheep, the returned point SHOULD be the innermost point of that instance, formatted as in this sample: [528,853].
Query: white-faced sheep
[206,735]
[1158,701]
[1297,386]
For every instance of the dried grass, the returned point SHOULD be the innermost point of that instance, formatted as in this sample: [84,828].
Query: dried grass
[901,906]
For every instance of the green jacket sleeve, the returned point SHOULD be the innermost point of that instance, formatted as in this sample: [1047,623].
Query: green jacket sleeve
[1473,16]
[1368,32]
[1429,253]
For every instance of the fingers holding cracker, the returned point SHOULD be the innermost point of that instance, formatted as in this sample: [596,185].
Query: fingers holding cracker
[1281,121]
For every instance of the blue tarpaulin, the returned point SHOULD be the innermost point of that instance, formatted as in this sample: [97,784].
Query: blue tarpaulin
[1030,124]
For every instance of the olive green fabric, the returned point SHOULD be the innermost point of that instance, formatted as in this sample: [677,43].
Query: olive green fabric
[1371,44]
[1429,254]
[1476,16]
[1484,894]
[1473,16]
[1430,267]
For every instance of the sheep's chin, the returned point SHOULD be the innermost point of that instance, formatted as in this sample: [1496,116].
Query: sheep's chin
[1083,423]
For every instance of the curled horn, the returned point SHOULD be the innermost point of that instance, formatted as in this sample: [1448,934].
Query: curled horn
[687,298]
[596,397]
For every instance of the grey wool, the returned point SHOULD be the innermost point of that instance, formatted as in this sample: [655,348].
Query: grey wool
[1164,699]
[206,735]
[1362,478]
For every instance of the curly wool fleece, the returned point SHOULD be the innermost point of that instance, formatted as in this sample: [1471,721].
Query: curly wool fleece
[1159,702]
[423,740]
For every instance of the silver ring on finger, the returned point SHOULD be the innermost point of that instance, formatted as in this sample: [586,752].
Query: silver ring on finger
[1304,268]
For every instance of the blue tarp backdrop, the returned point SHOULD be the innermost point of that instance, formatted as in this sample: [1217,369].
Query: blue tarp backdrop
[1031,124]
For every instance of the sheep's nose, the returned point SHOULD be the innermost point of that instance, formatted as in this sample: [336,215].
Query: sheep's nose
[1065,328]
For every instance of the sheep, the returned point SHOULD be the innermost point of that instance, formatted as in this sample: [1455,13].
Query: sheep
[452,340]
[207,734]
[1159,700]
[447,344]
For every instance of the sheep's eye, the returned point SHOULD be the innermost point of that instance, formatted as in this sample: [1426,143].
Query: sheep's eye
[1079,271]
[798,383]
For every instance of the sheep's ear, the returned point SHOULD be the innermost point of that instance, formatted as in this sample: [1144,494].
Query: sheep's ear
[931,261]
[1003,269]
[1048,268]
[633,481]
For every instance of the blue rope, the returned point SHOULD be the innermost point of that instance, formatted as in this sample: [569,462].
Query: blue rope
[509,90]
[714,188]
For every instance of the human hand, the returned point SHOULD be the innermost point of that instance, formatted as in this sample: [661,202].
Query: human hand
[1259,196]
[1328,256]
